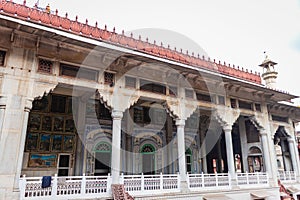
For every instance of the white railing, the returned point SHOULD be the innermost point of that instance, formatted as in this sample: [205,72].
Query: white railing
[209,181]
[287,176]
[257,179]
[143,184]
[70,187]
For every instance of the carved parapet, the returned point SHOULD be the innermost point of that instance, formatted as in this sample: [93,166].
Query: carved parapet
[226,116]
[181,108]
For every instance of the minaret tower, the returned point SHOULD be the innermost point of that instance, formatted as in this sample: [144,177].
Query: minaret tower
[269,74]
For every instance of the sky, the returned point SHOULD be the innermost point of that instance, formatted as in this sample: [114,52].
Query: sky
[235,31]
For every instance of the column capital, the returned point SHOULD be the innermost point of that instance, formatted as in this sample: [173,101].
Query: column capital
[290,140]
[180,122]
[227,128]
[116,114]
[263,133]
[28,104]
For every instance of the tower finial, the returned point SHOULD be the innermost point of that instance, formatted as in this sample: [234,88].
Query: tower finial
[266,55]
[269,74]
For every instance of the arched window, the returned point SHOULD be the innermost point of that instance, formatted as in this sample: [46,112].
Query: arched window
[148,148]
[102,147]
[148,159]
[102,152]
[188,160]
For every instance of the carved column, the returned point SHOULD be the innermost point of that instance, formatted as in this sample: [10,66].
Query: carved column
[80,159]
[116,146]
[203,152]
[229,150]
[226,117]
[181,149]
[293,155]
[266,152]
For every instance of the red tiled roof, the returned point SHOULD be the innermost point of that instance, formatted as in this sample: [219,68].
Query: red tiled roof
[64,23]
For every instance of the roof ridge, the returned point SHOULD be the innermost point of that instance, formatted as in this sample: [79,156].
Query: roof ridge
[52,19]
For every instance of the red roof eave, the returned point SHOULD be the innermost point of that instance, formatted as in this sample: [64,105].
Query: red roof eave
[35,15]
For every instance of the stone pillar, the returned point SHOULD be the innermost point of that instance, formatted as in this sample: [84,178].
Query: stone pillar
[203,151]
[28,106]
[293,155]
[266,152]
[229,151]
[219,170]
[244,144]
[297,158]
[81,143]
[14,112]
[116,146]
[181,152]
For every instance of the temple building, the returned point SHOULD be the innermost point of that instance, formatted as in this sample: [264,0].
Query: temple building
[93,109]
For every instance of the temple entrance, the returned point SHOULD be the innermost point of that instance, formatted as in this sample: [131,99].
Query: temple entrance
[148,159]
[102,159]
[255,162]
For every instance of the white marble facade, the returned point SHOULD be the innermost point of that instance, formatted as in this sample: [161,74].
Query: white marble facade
[156,116]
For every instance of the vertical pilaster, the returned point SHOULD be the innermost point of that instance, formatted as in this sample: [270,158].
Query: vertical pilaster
[15,113]
[297,158]
[266,152]
[116,146]
[293,155]
[28,105]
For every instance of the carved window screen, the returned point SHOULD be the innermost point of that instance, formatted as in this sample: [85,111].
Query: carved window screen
[45,66]
[108,78]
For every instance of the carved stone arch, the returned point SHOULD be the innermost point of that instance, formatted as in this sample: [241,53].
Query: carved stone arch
[96,136]
[226,116]
[254,150]
[41,89]
[190,142]
[148,142]
[102,146]
[181,108]
[141,137]
[119,98]
[93,134]
[257,122]
[274,127]
[289,130]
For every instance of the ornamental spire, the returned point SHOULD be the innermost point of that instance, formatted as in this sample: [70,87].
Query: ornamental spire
[269,74]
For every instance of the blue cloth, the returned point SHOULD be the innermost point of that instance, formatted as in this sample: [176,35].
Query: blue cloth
[46,181]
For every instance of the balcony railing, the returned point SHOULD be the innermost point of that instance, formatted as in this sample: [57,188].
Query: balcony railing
[257,179]
[70,187]
[146,184]
[89,187]
[209,181]
[287,176]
